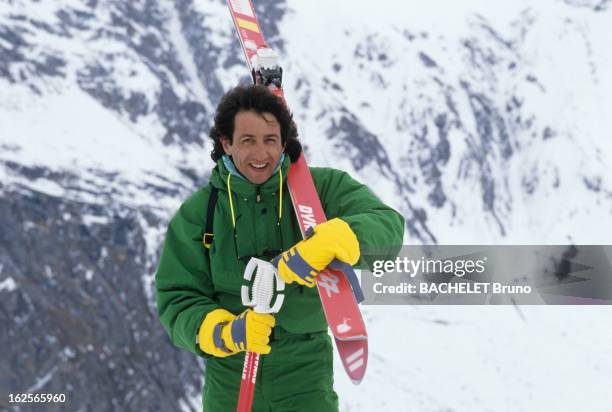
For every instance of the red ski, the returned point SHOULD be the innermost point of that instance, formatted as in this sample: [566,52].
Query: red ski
[338,286]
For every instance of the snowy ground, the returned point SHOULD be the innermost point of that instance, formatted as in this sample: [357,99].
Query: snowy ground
[485,358]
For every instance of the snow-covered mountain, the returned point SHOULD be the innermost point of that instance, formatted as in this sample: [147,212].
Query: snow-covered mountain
[482,122]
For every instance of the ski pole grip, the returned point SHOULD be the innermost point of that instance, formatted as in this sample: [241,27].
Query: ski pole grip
[351,276]
[260,296]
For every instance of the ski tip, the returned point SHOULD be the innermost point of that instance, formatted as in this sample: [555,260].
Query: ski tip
[354,356]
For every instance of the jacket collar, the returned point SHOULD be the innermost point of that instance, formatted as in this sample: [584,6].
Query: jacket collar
[239,184]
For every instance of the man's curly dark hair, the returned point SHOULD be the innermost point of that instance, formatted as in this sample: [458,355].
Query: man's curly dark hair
[260,100]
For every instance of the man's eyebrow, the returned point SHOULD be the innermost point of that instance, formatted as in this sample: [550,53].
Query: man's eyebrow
[247,135]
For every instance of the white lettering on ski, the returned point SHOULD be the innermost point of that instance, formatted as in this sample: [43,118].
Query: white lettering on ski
[329,282]
[307,217]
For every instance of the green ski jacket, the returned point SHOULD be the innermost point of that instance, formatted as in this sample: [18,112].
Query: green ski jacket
[192,280]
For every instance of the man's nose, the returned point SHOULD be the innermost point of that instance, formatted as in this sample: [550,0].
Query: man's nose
[259,149]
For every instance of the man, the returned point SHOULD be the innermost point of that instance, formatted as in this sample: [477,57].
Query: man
[198,286]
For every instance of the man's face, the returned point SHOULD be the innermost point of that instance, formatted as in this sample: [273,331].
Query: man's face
[256,145]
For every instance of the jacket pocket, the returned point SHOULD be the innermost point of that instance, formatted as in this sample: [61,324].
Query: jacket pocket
[226,270]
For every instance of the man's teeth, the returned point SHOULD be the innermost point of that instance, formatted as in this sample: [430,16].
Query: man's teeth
[259,166]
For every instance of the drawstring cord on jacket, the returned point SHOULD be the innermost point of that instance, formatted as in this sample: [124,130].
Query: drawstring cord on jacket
[229,195]
[280,197]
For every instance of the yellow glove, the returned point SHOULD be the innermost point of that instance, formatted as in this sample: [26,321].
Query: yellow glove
[331,240]
[222,334]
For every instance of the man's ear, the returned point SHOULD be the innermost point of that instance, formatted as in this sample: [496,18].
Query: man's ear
[227,146]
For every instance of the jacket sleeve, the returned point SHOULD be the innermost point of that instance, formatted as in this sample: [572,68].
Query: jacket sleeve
[183,280]
[374,223]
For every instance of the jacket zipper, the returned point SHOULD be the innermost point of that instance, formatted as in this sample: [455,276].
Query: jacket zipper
[258,197]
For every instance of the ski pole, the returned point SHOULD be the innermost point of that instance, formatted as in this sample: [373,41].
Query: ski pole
[260,299]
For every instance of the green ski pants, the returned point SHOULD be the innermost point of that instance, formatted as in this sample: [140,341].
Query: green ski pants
[296,376]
